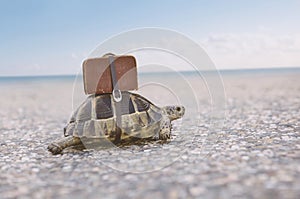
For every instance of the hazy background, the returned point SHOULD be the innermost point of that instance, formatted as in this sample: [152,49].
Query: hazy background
[53,37]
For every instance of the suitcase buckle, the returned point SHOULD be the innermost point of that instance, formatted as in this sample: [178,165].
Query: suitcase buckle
[117,95]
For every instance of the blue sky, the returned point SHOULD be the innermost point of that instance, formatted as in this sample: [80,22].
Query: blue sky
[53,37]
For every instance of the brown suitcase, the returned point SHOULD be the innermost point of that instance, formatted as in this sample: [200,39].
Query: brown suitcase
[98,78]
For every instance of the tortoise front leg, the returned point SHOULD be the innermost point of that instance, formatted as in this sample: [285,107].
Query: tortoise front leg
[165,130]
[58,147]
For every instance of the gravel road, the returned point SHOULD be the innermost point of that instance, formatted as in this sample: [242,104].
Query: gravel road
[255,155]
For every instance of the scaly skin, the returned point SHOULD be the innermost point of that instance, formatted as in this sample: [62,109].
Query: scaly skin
[58,147]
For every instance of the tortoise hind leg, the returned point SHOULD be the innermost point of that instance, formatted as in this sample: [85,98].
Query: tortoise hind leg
[58,147]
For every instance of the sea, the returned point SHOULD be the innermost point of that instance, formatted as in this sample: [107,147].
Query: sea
[73,77]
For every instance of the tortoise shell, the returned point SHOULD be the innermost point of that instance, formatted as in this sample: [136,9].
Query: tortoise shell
[96,117]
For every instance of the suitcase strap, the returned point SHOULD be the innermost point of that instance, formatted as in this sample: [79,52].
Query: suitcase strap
[116,91]
[117,95]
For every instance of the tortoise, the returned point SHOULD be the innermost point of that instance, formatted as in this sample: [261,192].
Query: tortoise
[95,119]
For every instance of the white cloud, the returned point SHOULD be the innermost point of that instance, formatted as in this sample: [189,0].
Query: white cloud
[37,67]
[74,56]
[253,50]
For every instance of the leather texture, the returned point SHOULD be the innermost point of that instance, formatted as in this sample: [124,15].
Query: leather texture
[97,74]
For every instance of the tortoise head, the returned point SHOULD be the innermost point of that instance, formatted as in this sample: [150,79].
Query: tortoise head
[174,112]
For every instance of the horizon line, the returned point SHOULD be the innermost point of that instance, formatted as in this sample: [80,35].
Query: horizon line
[157,72]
